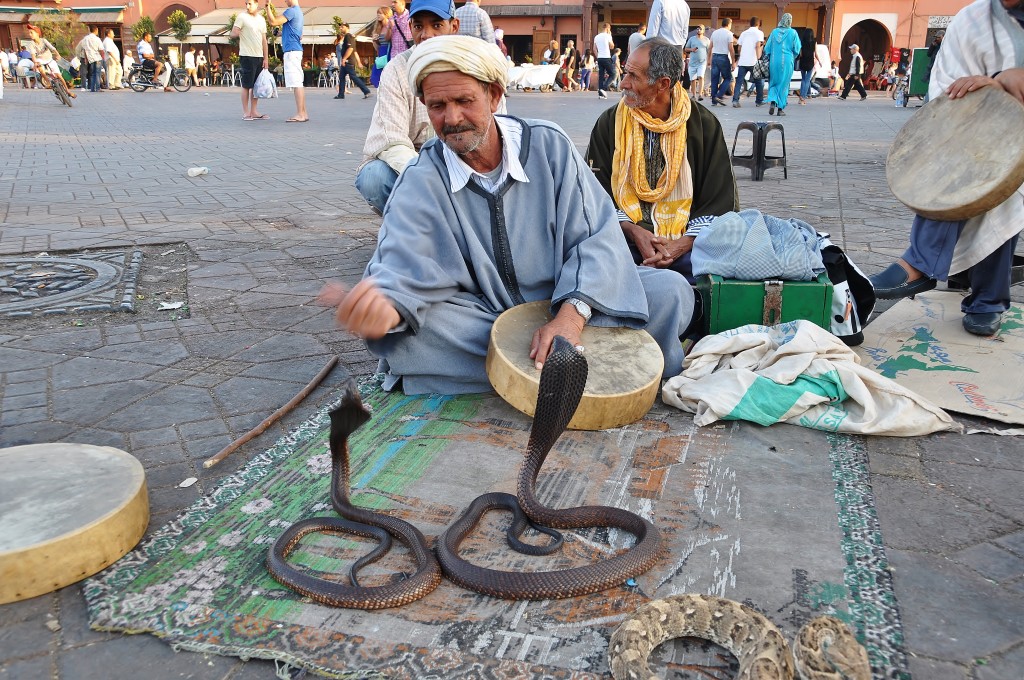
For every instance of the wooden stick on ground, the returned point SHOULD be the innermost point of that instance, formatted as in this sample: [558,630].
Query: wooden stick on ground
[273,417]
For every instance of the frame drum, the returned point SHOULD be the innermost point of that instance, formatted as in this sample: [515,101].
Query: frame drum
[939,169]
[625,367]
[66,512]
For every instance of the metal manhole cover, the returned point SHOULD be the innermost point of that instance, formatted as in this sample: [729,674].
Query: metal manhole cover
[72,283]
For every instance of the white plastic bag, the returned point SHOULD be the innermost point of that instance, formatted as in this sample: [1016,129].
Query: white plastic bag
[264,87]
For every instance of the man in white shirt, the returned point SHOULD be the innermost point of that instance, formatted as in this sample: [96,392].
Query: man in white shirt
[91,49]
[190,65]
[669,19]
[603,46]
[113,58]
[751,43]
[400,125]
[722,42]
[638,37]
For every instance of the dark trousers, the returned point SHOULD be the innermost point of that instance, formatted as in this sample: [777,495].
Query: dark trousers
[605,67]
[350,70]
[721,75]
[94,76]
[851,82]
[741,75]
[931,252]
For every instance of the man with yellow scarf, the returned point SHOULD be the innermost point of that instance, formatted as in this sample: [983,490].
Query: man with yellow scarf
[663,160]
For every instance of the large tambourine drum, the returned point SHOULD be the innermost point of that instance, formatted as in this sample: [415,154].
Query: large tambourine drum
[958,158]
[66,512]
[625,367]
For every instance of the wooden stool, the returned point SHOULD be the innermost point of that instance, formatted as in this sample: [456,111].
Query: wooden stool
[66,512]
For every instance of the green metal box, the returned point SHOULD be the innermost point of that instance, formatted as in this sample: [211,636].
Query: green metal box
[729,303]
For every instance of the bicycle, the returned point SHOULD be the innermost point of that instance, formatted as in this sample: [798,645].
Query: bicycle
[140,79]
[55,83]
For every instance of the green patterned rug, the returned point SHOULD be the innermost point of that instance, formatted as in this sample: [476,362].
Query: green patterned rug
[779,518]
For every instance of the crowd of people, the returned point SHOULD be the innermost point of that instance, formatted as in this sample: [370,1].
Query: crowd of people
[462,189]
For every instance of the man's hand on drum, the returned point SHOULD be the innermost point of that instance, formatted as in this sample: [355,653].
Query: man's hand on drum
[363,311]
[962,87]
[1012,80]
[568,323]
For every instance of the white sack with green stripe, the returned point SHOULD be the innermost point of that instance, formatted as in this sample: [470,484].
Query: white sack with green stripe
[796,373]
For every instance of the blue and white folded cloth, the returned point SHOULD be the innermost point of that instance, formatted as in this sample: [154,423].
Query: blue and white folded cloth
[751,246]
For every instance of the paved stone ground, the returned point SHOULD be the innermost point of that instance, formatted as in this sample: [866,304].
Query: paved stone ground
[274,219]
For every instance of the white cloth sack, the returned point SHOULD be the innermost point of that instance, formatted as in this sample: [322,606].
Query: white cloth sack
[264,87]
[797,373]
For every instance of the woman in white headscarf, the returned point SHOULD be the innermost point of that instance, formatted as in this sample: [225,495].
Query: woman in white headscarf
[782,46]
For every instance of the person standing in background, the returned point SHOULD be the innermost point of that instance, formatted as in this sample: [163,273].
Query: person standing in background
[782,46]
[291,22]
[346,52]
[397,31]
[807,61]
[751,43]
[669,19]
[113,56]
[855,75]
[637,38]
[722,42]
[474,21]
[603,46]
[190,65]
[381,47]
[251,30]
[696,49]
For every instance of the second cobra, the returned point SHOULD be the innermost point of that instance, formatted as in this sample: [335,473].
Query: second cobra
[561,386]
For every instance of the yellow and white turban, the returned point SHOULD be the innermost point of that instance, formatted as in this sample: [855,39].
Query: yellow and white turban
[464,53]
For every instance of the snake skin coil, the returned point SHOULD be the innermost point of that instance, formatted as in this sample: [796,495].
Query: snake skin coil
[561,386]
[345,419]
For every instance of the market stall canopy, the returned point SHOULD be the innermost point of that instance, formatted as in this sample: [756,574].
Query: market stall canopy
[211,27]
[110,14]
[534,10]
[319,26]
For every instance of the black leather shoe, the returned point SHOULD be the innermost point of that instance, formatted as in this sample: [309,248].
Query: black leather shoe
[982,323]
[892,284]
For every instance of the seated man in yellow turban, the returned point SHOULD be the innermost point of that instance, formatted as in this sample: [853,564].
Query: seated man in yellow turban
[663,160]
[494,212]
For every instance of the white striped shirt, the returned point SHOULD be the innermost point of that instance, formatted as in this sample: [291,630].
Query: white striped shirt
[459,173]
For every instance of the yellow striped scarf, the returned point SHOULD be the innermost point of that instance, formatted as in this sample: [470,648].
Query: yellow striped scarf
[673,195]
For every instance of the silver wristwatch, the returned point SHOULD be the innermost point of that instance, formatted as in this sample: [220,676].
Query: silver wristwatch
[581,307]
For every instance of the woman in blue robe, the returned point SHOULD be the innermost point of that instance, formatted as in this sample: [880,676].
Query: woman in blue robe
[782,46]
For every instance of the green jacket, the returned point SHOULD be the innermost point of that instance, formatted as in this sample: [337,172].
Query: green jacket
[714,185]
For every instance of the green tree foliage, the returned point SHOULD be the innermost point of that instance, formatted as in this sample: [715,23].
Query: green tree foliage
[230,25]
[336,22]
[180,25]
[143,26]
[63,29]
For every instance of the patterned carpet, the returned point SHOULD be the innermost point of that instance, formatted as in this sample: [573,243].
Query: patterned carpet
[779,518]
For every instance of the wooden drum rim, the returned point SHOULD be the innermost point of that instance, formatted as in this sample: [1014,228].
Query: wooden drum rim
[517,384]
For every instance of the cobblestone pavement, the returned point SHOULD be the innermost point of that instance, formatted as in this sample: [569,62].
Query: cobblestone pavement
[275,218]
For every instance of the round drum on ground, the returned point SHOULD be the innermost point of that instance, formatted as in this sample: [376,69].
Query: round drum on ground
[941,170]
[66,512]
[623,380]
